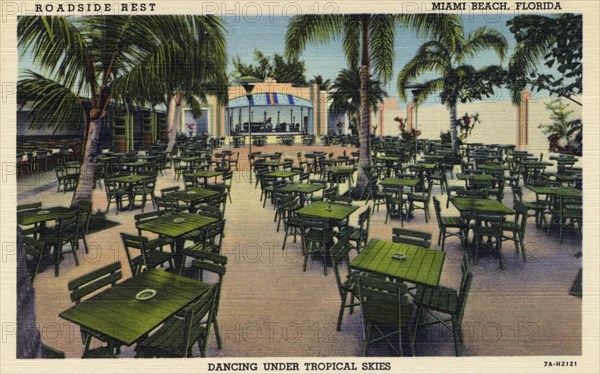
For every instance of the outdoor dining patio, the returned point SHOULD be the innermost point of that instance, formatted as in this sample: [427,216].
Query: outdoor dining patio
[275,253]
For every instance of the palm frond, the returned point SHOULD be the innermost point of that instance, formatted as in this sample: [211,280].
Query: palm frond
[381,44]
[482,39]
[311,29]
[53,105]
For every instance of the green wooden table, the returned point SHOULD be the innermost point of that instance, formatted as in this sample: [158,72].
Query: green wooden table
[116,313]
[421,266]
[131,179]
[166,225]
[339,172]
[42,215]
[169,225]
[282,174]
[332,211]
[274,164]
[192,196]
[556,191]
[493,167]
[422,166]
[399,182]
[470,178]
[302,189]
[465,205]
[205,175]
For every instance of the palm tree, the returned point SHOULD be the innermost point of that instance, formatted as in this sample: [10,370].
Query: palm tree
[555,40]
[90,63]
[345,95]
[324,84]
[367,38]
[457,81]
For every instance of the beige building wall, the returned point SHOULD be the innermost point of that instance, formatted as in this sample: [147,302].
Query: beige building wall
[499,121]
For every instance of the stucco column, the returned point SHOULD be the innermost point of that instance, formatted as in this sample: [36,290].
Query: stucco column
[410,115]
[522,120]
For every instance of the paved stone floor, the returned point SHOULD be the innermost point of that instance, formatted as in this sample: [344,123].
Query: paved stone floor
[269,307]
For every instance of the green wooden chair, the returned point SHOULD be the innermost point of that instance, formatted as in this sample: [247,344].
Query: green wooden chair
[67,232]
[394,204]
[114,193]
[412,237]
[291,221]
[317,236]
[447,223]
[85,285]
[216,264]
[421,198]
[210,240]
[148,258]
[37,249]
[145,189]
[346,285]
[359,234]
[490,225]
[30,230]
[165,204]
[177,336]
[566,209]
[517,228]
[384,303]
[85,213]
[446,305]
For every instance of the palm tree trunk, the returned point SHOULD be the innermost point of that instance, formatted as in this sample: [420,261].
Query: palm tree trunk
[173,119]
[85,184]
[453,126]
[365,115]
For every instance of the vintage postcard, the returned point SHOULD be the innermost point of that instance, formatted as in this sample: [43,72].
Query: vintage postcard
[303,186]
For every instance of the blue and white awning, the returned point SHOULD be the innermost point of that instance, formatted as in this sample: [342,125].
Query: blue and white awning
[270,99]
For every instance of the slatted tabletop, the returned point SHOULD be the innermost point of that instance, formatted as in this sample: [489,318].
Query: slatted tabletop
[42,215]
[399,182]
[465,204]
[475,177]
[421,266]
[131,178]
[304,188]
[166,225]
[282,174]
[332,211]
[192,195]
[117,314]
[556,191]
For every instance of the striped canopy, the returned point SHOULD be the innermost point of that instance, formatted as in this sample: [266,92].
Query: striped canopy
[270,99]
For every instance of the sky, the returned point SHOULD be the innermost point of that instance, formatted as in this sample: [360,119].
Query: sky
[268,35]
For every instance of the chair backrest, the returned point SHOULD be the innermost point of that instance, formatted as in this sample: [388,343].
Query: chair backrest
[461,303]
[305,176]
[437,206]
[85,213]
[412,237]
[168,189]
[137,242]
[521,213]
[219,201]
[197,314]
[165,204]
[26,207]
[340,199]
[212,263]
[190,181]
[148,216]
[383,301]
[339,252]
[364,223]
[68,226]
[214,236]
[517,192]
[97,279]
[209,211]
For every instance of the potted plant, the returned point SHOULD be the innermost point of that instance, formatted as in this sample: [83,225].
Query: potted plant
[564,134]
[191,126]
